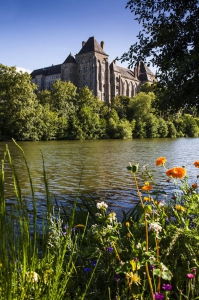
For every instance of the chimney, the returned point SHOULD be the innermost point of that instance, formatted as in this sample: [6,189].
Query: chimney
[135,72]
[83,43]
[102,45]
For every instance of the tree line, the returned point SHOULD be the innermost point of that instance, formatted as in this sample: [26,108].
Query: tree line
[65,112]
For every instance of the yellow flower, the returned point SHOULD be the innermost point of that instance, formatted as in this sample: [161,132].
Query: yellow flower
[160,161]
[179,207]
[196,164]
[127,224]
[176,172]
[128,235]
[135,278]
[79,226]
[1,265]
[146,183]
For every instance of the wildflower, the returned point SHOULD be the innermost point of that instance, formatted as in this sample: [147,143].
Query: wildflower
[93,262]
[128,235]
[79,226]
[161,161]
[117,277]
[167,287]
[190,275]
[102,205]
[152,267]
[109,249]
[112,217]
[158,296]
[155,227]
[194,185]
[135,278]
[176,172]
[148,198]
[32,277]
[194,270]
[162,203]
[1,265]
[127,224]
[179,207]
[138,246]
[196,164]
[87,269]
[98,215]
[147,188]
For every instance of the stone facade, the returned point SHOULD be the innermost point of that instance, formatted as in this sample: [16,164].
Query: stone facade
[91,68]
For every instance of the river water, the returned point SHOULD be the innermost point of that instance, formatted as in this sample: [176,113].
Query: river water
[98,168]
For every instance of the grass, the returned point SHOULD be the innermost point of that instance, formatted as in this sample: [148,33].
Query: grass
[87,253]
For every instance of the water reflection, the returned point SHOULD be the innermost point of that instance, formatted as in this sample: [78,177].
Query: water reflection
[97,167]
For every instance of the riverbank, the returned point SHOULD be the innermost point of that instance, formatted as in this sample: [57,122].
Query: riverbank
[87,253]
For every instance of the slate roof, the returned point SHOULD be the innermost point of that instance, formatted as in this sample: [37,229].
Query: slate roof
[92,45]
[47,71]
[69,59]
[127,73]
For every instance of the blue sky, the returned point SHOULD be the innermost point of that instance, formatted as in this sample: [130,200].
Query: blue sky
[39,33]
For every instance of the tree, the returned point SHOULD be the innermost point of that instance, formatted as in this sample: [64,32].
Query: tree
[170,40]
[63,97]
[18,104]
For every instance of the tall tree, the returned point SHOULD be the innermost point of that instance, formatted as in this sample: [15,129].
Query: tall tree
[18,104]
[169,39]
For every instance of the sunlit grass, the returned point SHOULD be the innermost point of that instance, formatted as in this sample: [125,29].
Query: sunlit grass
[85,252]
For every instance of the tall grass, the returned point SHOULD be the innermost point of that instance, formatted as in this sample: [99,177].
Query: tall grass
[85,252]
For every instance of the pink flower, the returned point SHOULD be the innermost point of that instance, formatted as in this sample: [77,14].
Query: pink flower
[190,275]
[194,270]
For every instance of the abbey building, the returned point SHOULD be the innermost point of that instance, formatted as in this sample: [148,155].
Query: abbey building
[91,67]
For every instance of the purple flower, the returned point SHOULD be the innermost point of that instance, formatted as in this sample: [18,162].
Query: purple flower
[158,296]
[190,275]
[152,267]
[167,287]
[73,229]
[136,259]
[117,277]
[93,262]
[109,249]
[87,269]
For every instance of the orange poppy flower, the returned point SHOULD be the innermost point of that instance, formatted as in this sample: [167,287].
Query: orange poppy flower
[147,188]
[196,164]
[161,161]
[176,172]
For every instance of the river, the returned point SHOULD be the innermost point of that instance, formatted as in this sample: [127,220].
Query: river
[98,167]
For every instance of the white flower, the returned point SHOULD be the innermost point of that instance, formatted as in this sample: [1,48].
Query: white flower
[112,217]
[32,276]
[162,203]
[138,246]
[102,205]
[98,215]
[155,227]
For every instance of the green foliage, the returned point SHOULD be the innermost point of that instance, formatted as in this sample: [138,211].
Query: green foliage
[18,104]
[169,39]
[85,252]
[190,126]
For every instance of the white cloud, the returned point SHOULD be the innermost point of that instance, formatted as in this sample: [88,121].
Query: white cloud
[23,70]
